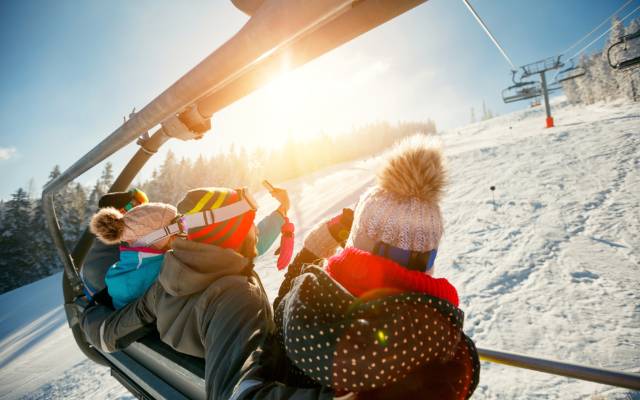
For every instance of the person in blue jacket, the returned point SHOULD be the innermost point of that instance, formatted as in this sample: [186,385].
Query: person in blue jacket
[139,263]
[101,256]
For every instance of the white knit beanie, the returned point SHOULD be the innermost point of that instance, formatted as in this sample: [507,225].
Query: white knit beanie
[402,209]
[113,227]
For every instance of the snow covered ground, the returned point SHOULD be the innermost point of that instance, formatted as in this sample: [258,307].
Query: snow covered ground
[551,268]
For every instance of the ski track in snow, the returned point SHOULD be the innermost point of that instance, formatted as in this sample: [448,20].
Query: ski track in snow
[550,269]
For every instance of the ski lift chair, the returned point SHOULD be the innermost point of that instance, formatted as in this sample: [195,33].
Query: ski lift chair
[520,90]
[149,368]
[523,91]
[554,87]
[570,73]
[626,52]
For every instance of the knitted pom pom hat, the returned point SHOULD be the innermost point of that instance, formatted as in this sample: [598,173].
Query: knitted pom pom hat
[402,210]
[229,233]
[113,227]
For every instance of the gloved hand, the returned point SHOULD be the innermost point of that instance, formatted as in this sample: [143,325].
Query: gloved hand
[340,226]
[324,238]
[283,198]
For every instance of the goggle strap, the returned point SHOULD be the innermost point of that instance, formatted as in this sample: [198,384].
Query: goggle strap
[413,260]
[197,220]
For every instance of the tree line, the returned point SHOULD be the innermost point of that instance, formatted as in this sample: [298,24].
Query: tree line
[27,250]
[601,82]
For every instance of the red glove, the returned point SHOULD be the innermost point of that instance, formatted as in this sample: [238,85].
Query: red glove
[286,244]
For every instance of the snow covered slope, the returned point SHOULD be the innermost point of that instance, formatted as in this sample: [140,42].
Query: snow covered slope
[552,268]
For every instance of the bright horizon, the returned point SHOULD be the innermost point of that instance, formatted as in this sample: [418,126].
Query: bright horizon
[76,69]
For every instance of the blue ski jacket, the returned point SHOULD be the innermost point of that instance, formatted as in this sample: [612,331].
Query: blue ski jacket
[130,277]
[268,231]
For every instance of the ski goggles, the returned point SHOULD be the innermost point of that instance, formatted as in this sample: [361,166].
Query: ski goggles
[184,223]
[137,197]
[412,260]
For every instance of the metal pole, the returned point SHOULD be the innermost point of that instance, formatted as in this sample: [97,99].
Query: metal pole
[276,24]
[598,375]
[545,93]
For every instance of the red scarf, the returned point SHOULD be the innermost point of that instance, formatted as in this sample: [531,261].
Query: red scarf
[361,272]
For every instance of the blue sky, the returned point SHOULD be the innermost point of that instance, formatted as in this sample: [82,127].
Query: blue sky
[72,69]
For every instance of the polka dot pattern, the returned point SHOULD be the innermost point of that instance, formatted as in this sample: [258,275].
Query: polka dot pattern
[351,344]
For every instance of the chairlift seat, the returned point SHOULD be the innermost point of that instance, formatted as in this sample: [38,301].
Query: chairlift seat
[570,73]
[151,369]
[626,52]
[521,91]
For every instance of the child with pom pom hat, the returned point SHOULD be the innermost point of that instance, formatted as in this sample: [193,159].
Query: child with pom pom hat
[371,319]
[101,256]
[138,268]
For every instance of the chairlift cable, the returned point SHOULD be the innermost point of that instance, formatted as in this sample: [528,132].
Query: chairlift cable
[488,32]
[597,27]
[604,33]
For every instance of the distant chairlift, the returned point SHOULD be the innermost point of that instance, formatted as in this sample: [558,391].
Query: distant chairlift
[625,53]
[567,74]
[521,90]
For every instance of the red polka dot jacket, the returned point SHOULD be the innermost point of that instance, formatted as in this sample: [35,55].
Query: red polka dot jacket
[390,333]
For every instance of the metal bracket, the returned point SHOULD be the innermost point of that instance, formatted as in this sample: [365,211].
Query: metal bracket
[195,120]
[175,128]
[142,141]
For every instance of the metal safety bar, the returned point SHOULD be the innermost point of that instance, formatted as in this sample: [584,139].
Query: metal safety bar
[276,24]
[599,375]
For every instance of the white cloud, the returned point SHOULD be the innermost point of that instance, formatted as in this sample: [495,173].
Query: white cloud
[7,153]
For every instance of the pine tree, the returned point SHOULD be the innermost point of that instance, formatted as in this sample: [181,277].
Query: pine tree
[106,178]
[46,259]
[79,217]
[100,188]
[16,244]
[162,187]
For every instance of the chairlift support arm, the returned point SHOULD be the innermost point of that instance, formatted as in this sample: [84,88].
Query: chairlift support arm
[626,380]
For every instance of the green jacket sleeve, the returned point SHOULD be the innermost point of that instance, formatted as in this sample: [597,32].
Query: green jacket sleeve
[269,230]
[114,330]
[236,325]
[265,375]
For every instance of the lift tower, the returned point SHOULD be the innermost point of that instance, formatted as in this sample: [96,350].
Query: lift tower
[540,68]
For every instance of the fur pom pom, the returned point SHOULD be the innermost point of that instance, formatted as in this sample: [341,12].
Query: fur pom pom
[415,168]
[108,225]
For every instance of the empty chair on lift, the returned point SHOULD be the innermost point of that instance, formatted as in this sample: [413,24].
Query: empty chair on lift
[570,73]
[625,53]
[521,90]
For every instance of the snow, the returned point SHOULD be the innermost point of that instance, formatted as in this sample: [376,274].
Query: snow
[550,269]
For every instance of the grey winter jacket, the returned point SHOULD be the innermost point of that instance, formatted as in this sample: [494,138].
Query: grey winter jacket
[207,303]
